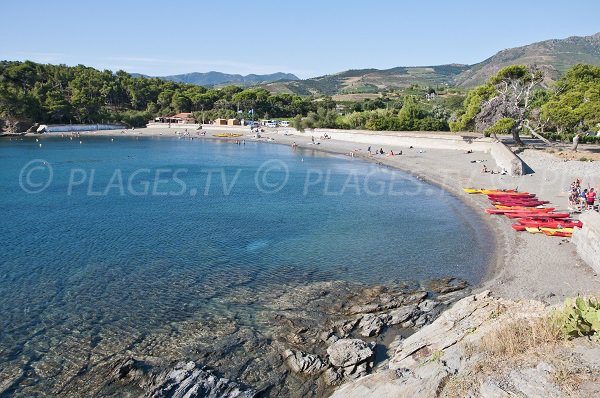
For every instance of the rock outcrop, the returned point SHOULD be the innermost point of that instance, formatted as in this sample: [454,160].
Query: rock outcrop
[301,362]
[187,380]
[442,357]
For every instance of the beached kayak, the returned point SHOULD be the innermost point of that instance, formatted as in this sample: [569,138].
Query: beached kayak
[550,223]
[523,195]
[561,234]
[518,227]
[566,230]
[520,210]
[523,203]
[537,215]
[493,191]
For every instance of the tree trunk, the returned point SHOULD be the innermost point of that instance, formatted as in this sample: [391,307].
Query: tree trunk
[532,131]
[517,138]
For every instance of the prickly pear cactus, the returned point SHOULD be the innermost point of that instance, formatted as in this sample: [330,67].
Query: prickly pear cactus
[581,317]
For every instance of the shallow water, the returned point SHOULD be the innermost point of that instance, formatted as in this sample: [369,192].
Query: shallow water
[134,234]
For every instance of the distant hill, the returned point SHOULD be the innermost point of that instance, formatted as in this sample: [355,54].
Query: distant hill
[555,56]
[371,80]
[217,78]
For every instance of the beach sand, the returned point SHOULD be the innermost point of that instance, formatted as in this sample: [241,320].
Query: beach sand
[525,265]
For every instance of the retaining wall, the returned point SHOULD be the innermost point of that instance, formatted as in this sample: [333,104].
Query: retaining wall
[587,239]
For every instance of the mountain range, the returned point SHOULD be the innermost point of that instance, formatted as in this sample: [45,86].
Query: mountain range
[218,78]
[554,56]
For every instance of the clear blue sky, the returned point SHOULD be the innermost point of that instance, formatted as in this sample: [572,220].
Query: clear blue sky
[307,37]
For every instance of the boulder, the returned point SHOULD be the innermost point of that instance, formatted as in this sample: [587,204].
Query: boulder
[403,314]
[371,324]
[304,363]
[349,352]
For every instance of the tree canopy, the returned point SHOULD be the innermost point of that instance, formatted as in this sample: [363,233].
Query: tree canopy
[63,94]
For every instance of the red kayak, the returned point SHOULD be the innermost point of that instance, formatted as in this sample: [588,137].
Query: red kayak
[550,223]
[527,210]
[512,196]
[518,227]
[528,203]
[538,215]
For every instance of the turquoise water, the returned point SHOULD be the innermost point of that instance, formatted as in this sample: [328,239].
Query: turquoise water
[132,234]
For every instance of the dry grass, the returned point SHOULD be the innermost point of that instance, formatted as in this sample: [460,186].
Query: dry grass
[523,342]
[519,337]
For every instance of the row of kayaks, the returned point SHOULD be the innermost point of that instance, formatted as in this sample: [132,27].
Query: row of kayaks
[528,211]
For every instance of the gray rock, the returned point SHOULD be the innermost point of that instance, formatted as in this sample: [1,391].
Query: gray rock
[345,327]
[427,305]
[333,376]
[403,314]
[187,380]
[371,324]
[535,382]
[491,389]
[356,371]
[349,352]
[301,362]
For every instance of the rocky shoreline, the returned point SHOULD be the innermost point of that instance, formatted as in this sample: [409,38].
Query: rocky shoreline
[306,341]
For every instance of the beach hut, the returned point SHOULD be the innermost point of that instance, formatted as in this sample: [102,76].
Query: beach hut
[220,122]
[233,122]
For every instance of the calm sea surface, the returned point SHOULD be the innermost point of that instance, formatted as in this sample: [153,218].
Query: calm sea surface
[124,236]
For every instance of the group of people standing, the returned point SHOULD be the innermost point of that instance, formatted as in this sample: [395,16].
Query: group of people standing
[581,199]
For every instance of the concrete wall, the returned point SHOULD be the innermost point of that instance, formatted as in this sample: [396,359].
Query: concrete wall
[507,159]
[587,239]
[67,128]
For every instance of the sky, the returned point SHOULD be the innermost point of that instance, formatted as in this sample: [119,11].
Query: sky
[308,38]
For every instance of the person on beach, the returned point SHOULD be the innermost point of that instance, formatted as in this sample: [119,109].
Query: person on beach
[484,169]
[381,151]
[590,199]
[313,139]
[369,150]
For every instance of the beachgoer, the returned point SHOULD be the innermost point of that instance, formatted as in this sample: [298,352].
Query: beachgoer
[391,153]
[591,198]
[381,151]
[313,139]
[484,169]
[369,150]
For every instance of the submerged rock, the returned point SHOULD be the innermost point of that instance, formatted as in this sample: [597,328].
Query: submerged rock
[301,362]
[187,380]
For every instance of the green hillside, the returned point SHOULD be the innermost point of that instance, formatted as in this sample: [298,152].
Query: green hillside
[555,56]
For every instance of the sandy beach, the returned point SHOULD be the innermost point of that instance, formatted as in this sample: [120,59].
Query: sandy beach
[525,266]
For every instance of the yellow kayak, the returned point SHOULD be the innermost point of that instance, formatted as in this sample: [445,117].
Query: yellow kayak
[564,230]
[533,230]
[549,231]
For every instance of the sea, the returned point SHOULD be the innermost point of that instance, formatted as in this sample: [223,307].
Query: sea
[107,237]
